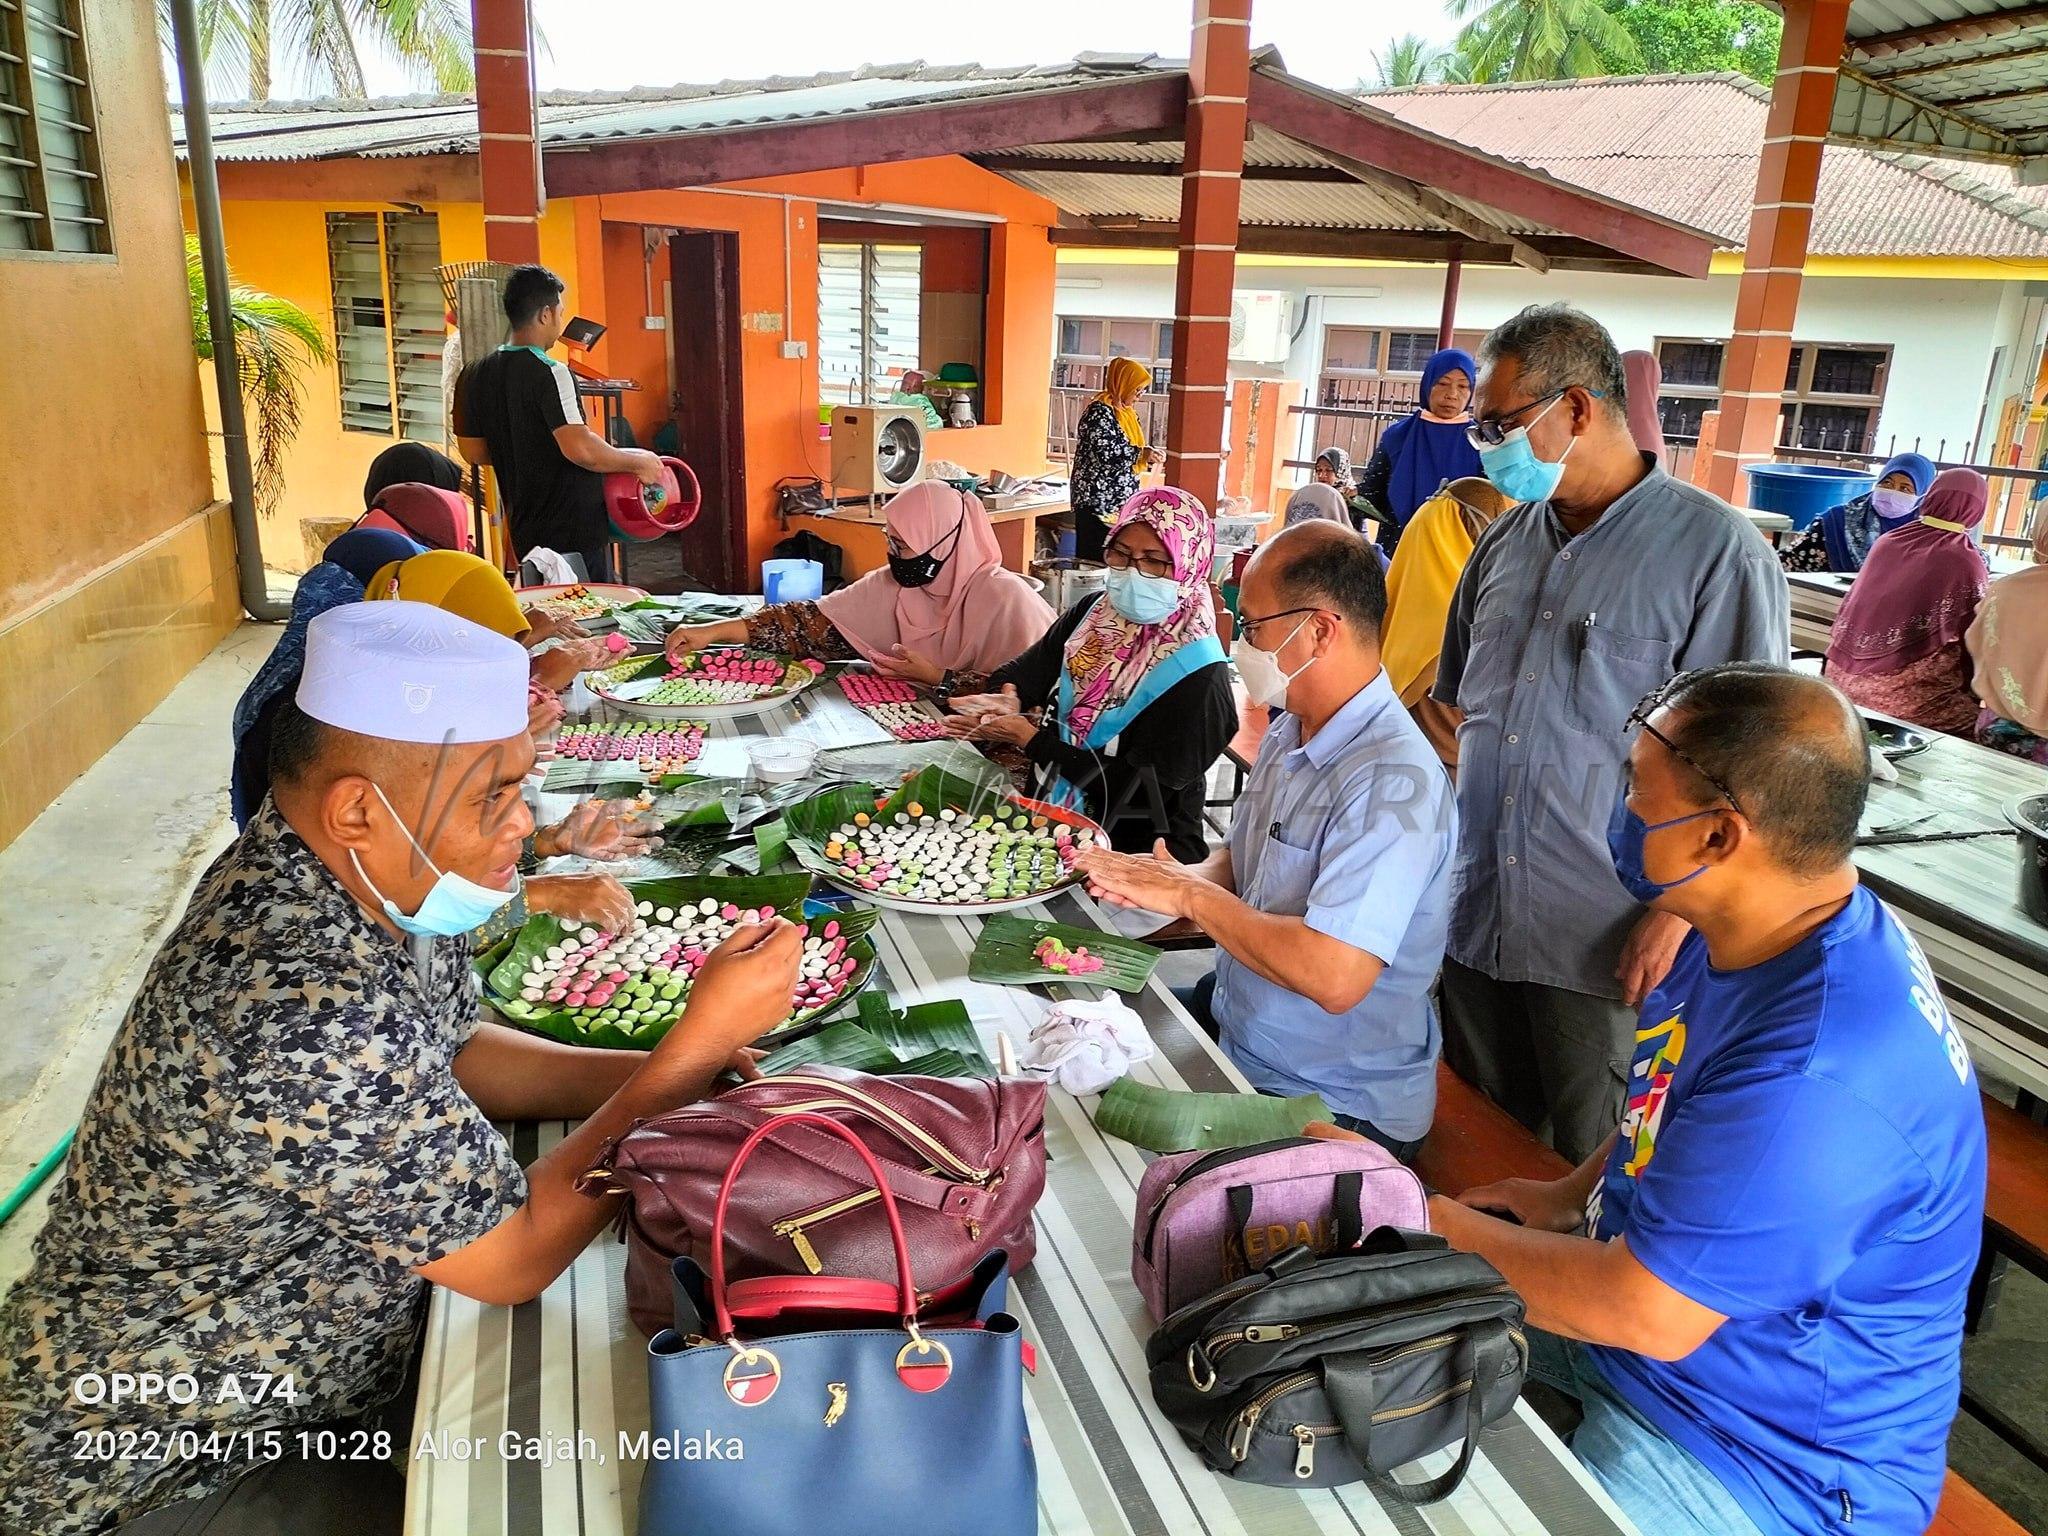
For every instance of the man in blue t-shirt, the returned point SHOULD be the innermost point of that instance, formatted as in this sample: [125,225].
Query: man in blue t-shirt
[1763,1316]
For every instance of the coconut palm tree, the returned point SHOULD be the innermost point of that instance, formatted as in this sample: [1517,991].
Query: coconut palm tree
[1410,59]
[1543,40]
[275,341]
[429,37]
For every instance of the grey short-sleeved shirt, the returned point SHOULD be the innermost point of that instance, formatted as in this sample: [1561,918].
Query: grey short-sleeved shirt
[1551,642]
[276,1142]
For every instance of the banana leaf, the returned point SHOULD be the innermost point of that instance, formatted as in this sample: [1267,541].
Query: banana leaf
[1003,955]
[783,892]
[1164,1120]
[924,1028]
[844,1044]
[943,1063]
[771,843]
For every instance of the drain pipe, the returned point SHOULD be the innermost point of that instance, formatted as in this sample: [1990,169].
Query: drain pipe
[213,257]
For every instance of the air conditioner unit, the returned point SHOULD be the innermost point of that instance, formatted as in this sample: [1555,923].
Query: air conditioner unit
[1260,328]
[876,449]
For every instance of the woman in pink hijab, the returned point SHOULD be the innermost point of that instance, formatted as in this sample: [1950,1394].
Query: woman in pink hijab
[1897,643]
[2008,646]
[945,603]
[1644,377]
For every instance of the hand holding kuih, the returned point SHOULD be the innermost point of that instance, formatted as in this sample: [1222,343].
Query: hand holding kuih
[745,987]
[592,898]
[1003,703]
[601,829]
[911,666]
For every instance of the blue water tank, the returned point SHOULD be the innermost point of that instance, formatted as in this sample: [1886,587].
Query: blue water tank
[1803,491]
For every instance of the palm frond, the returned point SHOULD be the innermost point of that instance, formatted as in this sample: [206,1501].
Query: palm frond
[317,34]
[432,36]
[275,341]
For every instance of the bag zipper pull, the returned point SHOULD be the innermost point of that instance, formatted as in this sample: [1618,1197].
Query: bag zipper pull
[1270,1333]
[803,1248]
[1241,1434]
[1305,1451]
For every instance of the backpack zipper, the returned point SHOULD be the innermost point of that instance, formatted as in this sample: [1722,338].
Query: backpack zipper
[1222,1158]
[1275,1333]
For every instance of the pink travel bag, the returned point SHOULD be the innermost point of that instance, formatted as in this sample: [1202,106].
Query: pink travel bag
[1207,1218]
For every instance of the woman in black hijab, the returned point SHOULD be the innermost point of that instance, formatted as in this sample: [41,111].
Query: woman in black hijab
[411,463]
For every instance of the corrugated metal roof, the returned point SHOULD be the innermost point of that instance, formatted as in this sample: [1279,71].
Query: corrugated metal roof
[1687,147]
[386,128]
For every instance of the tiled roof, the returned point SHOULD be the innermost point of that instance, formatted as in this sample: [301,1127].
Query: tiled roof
[391,127]
[1686,147]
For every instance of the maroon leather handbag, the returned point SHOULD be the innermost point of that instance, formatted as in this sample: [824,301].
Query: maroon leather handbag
[964,1158]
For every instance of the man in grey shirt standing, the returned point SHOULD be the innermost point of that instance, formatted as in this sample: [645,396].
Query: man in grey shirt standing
[1610,579]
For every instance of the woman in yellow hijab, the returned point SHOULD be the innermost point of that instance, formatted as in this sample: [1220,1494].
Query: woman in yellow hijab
[1427,563]
[1109,449]
[474,589]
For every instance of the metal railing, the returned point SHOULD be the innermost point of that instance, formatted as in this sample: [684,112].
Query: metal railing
[2006,520]
[1354,428]
[1063,418]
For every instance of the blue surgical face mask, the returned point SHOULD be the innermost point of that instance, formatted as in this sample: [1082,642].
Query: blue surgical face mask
[1516,472]
[453,905]
[1625,834]
[1143,599]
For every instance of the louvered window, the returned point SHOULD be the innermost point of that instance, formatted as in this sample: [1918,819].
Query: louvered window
[868,303]
[52,197]
[389,323]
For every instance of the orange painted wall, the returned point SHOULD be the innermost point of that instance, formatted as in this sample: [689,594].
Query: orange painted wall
[120,571]
[278,242]
[280,246]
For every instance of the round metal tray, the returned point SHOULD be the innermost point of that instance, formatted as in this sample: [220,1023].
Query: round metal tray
[964,908]
[734,711]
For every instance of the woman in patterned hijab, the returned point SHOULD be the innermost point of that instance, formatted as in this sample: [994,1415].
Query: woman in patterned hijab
[1136,683]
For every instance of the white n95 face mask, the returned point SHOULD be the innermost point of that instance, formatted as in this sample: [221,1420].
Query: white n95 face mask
[1263,679]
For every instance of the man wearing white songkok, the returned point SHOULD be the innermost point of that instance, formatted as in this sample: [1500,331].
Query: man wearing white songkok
[291,1135]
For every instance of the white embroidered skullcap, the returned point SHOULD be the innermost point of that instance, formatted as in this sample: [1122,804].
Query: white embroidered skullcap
[404,671]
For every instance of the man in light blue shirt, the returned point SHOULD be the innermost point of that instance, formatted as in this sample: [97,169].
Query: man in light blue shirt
[1331,904]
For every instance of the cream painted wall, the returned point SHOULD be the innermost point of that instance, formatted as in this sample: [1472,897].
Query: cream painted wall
[1943,331]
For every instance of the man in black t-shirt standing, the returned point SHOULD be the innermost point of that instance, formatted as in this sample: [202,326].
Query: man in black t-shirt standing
[516,411]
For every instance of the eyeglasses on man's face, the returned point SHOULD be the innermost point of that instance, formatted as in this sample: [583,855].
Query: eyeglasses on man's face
[1492,431]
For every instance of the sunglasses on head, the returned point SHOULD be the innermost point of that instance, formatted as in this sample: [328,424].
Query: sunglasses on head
[1640,719]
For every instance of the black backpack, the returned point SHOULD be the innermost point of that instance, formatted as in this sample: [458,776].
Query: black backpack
[1321,1371]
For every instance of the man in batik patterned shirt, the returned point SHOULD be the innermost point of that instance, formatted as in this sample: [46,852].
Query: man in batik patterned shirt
[291,1136]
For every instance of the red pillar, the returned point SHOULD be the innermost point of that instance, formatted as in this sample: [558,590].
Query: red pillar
[508,135]
[1448,321]
[1781,219]
[1219,80]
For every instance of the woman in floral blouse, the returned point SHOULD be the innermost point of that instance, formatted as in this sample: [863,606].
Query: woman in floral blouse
[1109,449]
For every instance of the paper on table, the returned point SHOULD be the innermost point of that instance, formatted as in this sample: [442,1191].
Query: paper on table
[723,757]
[1164,1120]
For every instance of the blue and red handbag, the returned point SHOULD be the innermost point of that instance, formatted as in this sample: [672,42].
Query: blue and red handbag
[787,1402]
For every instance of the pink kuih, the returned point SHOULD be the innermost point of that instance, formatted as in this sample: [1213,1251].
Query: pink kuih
[868,688]
[1207,1218]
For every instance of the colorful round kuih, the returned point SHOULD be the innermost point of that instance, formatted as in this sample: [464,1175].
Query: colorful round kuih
[955,856]
[724,677]
[654,746]
[639,980]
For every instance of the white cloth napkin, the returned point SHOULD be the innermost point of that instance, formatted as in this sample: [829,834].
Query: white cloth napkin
[1084,1047]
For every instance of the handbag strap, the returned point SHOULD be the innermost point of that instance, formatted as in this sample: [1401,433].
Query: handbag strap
[970,1202]
[1345,1191]
[1484,1349]
[906,1289]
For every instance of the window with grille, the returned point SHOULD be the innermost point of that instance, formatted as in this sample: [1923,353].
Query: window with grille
[1369,368]
[52,197]
[1833,392]
[389,321]
[1086,344]
[869,299]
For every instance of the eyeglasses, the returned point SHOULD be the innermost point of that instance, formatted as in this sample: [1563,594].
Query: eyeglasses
[1246,626]
[1118,558]
[1640,718]
[1492,431]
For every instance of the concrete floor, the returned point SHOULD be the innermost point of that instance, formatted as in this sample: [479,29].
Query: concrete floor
[91,888]
[94,884]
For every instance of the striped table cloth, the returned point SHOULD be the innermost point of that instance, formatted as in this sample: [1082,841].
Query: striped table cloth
[522,1410]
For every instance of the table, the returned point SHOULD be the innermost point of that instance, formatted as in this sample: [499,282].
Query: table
[858,530]
[1816,599]
[1961,899]
[1769,524]
[571,1363]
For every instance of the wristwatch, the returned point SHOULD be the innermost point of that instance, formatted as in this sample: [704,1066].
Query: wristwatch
[944,692]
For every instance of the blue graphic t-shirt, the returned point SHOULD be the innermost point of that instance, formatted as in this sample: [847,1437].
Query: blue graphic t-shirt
[1803,1152]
